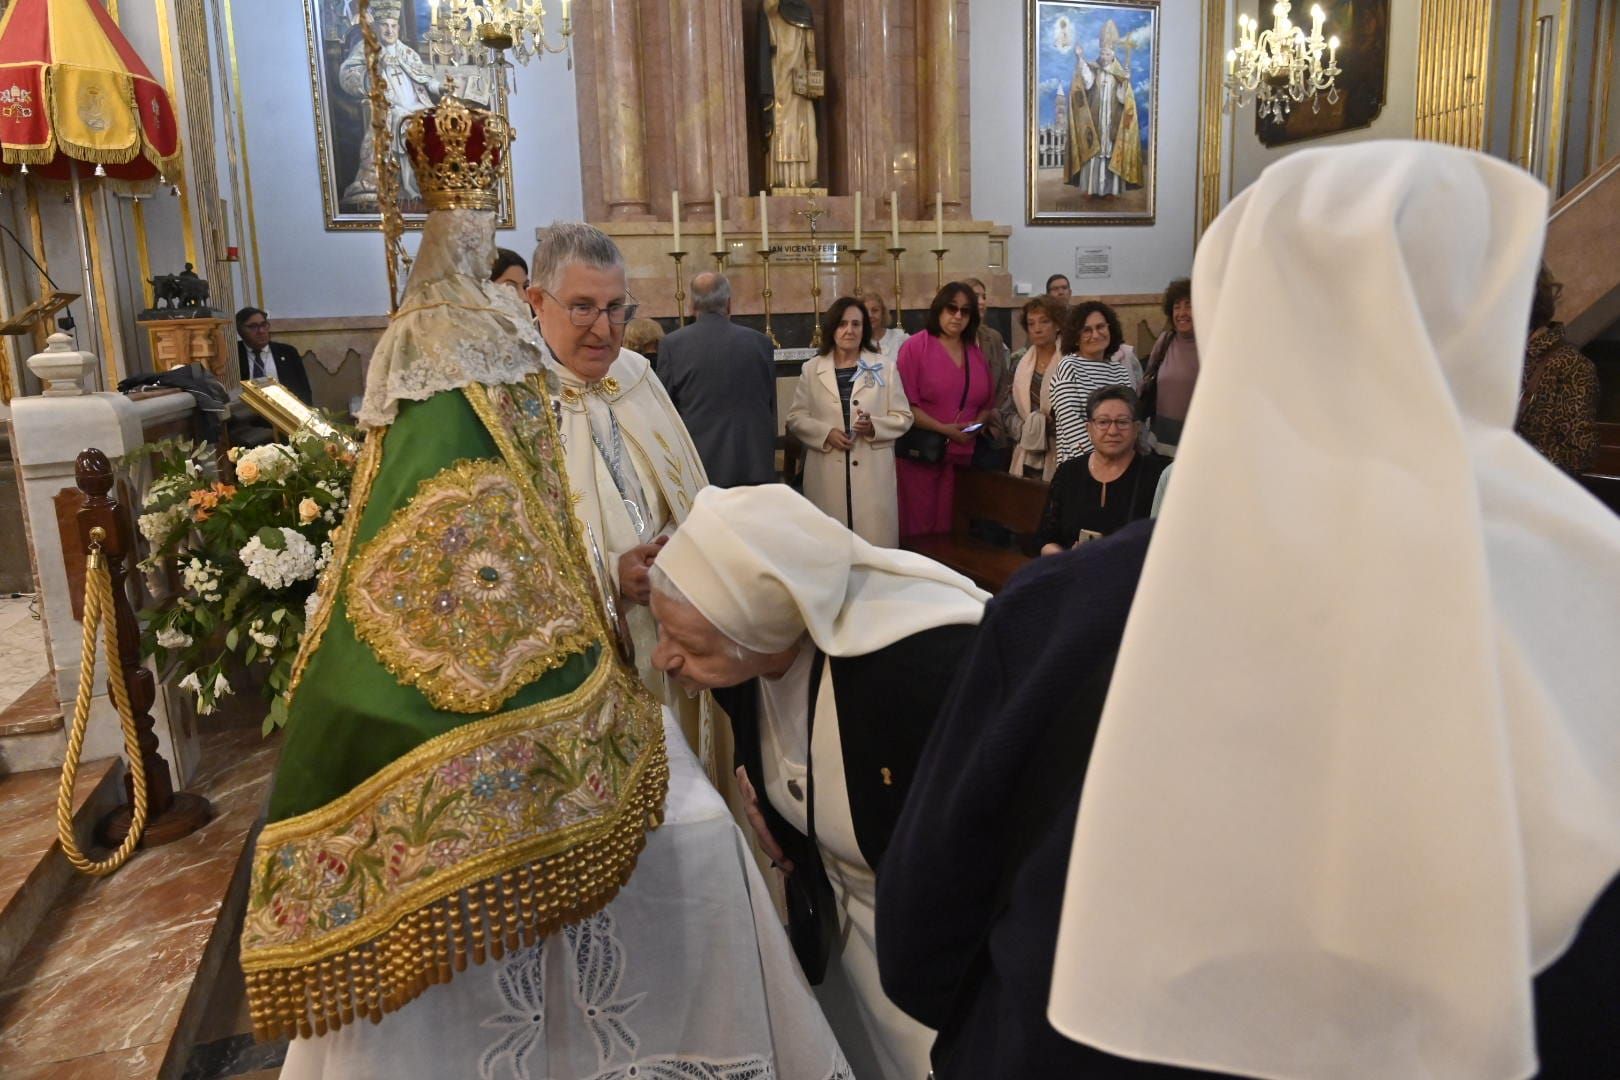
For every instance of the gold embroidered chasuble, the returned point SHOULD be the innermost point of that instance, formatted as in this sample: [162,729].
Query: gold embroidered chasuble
[468,765]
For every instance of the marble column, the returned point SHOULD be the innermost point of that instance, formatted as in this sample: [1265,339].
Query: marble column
[621,109]
[861,112]
[693,95]
[941,118]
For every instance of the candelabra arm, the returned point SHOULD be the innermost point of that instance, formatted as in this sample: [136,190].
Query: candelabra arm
[680,287]
[860,254]
[765,294]
[899,293]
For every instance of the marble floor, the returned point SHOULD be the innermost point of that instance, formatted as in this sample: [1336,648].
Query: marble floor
[115,982]
[22,649]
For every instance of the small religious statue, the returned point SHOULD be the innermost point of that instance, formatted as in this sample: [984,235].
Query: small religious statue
[1105,141]
[789,85]
[408,85]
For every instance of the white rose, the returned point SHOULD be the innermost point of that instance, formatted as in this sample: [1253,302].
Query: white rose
[170,638]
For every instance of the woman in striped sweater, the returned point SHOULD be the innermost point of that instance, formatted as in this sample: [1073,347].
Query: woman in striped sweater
[1091,344]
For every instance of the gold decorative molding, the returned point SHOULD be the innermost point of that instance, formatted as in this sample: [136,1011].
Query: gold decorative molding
[36,239]
[1602,82]
[110,346]
[143,253]
[1454,41]
[188,225]
[196,76]
[239,152]
[1207,190]
[1560,101]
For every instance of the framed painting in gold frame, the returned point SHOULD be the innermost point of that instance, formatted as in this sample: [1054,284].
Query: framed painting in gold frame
[338,87]
[1091,74]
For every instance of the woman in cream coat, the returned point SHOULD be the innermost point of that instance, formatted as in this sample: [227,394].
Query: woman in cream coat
[848,411]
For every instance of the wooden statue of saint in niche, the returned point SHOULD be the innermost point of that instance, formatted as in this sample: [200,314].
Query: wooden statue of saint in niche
[790,84]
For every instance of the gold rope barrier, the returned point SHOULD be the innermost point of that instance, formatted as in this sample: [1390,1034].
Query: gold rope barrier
[99,614]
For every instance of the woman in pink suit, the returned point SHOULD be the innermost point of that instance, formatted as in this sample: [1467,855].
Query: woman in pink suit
[947,381]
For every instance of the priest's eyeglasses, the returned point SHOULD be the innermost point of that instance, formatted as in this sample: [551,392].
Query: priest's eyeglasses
[583,315]
[1119,423]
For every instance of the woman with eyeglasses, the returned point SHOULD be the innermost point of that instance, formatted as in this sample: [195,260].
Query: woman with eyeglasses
[1091,346]
[1106,488]
[946,379]
[848,411]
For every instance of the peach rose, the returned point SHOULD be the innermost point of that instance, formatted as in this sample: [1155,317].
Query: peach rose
[247,472]
[308,511]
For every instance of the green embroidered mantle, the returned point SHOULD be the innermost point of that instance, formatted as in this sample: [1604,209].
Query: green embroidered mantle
[467,764]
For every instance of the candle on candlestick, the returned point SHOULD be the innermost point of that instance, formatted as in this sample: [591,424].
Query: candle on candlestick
[675,215]
[433,9]
[894,219]
[857,219]
[764,225]
[939,220]
[719,225]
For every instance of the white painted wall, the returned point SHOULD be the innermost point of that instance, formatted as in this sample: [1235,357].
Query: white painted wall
[310,272]
[1144,257]
[1249,157]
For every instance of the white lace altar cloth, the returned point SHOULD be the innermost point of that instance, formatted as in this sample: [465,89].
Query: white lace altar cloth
[686,975]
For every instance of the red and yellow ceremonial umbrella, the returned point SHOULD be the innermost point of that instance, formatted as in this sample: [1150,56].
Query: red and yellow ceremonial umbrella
[72,88]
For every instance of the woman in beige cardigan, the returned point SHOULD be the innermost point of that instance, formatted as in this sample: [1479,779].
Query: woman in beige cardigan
[1034,434]
[848,411]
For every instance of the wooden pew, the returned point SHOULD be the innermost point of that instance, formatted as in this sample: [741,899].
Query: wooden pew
[1602,477]
[987,503]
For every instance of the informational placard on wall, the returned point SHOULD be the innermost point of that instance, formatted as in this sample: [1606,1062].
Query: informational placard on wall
[1093,262]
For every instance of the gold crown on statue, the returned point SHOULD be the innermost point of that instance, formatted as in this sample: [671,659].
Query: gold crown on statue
[459,153]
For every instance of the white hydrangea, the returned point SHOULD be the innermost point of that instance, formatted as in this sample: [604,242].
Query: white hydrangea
[266,463]
[311,602]
[202,578]
[325,558]
[159,525]
[170,638]
[279,569]
[256,631]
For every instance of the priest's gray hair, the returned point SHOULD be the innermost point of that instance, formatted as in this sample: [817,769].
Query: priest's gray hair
[711,293]
[566,242]
[665,587]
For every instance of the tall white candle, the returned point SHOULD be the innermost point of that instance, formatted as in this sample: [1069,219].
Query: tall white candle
[939,220]
[675,215]
[857,219]
[764,225]
[719,225]
[894,219]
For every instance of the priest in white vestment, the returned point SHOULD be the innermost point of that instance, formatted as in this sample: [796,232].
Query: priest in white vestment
[631,463]
[841,652]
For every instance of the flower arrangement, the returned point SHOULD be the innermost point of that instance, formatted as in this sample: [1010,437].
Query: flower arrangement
[248,556]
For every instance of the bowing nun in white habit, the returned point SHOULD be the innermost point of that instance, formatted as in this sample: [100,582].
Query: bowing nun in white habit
[840,653]
[1366,823]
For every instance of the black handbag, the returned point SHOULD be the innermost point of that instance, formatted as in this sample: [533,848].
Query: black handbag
[928,447]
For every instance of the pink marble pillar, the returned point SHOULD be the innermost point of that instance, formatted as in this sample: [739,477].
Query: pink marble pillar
[621,110]
[941,116]
[692,91]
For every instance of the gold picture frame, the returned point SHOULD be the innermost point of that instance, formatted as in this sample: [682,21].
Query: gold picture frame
[342,125]
[1108,178]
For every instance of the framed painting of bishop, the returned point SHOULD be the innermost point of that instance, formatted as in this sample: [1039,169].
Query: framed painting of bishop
[415,72]
[1092,75]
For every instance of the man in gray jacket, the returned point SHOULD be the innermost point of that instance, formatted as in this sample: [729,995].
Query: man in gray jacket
[722,379]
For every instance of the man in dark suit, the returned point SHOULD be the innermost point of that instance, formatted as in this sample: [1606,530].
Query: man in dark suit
[722,380]
[258,356]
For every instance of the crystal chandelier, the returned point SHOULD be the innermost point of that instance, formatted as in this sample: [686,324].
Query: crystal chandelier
[1277,68]
[476,32]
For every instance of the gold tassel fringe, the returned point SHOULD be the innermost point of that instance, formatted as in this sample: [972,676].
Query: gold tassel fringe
[487,918]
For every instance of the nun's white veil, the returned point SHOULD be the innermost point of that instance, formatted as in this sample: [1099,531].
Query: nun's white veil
[1358,775]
